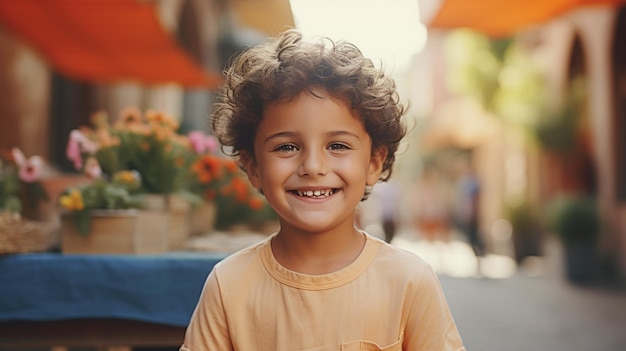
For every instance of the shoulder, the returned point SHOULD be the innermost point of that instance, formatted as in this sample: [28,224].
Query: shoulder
[398,263]
[394,254]
[241,263]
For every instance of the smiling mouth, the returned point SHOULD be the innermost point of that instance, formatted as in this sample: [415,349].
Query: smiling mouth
[317,194]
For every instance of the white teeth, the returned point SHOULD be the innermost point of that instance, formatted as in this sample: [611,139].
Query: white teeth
[316,193]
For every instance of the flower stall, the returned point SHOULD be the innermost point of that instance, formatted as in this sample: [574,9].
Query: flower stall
[187,186]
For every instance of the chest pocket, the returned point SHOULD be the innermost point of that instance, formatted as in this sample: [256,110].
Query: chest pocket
[362,345]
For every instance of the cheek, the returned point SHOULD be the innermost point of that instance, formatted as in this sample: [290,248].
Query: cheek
[355,167]
[275,170]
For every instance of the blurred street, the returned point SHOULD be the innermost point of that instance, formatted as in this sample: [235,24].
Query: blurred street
[530,308]
[541,313]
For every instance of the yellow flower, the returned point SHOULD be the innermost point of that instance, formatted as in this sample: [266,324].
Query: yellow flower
[105,138]
[73,201]
[126,177]
[161,119]
[130,179]
[130,115]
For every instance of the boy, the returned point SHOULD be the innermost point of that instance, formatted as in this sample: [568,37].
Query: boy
[315,126]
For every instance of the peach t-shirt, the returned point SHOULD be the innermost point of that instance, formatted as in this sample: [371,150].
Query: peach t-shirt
[387,299]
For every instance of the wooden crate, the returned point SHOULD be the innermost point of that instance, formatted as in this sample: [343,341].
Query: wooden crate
[115,232]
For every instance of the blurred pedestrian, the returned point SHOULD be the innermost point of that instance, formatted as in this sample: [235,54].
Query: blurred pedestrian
[467,213]
[430,202]
[387,195]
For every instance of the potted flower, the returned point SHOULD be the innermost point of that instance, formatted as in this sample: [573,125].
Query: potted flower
[21,193]
[576,220]
[209,170]
[148,143]
[239,204]
[20,186]
[101,216]
[221,183]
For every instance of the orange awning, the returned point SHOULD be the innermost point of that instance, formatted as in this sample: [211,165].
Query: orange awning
[500,18]
[104,41]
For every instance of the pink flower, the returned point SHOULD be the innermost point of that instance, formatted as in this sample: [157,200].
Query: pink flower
[196,138]
[77,144]
[73,153]
[202,143]
[211,143]
[92,168]
[29,169]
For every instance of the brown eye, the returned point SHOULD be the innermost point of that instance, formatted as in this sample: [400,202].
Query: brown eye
[286,148]
[338,146]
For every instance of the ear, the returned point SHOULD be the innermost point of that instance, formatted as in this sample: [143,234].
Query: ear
[376,165]
[248,162]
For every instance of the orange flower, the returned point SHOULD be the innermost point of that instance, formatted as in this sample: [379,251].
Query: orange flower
[231,165]
[129,118]
[160,118]
[207,168]
[105,138]
[182,140]
[241,189]
[255,203]
[130,114]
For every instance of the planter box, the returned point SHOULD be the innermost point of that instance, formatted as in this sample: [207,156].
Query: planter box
[112,232]
[166,216]
[202,218]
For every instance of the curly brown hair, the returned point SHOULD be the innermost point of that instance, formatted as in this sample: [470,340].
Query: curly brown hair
[284,67]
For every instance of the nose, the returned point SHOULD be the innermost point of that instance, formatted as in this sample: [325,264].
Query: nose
[313,163]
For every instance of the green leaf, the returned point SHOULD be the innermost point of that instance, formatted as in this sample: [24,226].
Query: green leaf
[83,222]
[13,204]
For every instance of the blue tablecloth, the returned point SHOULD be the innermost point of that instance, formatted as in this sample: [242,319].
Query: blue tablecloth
[155,288]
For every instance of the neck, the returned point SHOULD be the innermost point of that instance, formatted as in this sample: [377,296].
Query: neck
[317,253]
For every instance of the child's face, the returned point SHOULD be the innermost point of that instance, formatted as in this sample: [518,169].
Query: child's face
[313,158]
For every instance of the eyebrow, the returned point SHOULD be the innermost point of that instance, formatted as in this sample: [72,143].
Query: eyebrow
[280,135]
[334,133]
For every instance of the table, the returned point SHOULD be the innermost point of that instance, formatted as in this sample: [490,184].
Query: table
[103,301]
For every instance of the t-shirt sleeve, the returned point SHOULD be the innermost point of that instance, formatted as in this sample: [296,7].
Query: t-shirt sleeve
[429,324]
[208,328]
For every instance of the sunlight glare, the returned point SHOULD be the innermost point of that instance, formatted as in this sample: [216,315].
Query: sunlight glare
[390,32]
